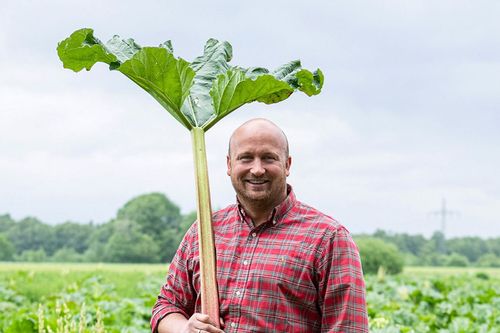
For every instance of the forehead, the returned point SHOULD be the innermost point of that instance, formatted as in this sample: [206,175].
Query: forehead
[260,137]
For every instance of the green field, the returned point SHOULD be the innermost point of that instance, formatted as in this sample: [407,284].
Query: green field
[118,298]
[127,280]
[446,271]
[121,296]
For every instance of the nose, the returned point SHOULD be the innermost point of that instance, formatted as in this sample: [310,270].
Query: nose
[257,169]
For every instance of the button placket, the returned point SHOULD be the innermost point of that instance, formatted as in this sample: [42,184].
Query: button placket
[243,273]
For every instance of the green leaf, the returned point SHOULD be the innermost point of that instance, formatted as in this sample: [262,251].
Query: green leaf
[154,69]
[212,63]
[82,50]
[286,72]
[310,83]
[21,324]
[122,49]
[167,45]
[234,88]
[163,76]
[196,94]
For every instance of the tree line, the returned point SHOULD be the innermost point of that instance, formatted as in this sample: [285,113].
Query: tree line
[416,250]
[149,227]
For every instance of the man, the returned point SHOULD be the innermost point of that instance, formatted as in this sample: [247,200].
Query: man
[282,266]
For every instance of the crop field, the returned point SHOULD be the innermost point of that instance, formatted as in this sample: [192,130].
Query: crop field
[118,298]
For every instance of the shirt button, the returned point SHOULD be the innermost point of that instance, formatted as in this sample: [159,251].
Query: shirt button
[245,262]
[233,325]
[274,221]
[254,234]
[238,293]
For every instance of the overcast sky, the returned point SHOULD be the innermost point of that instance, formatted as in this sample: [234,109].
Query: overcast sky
[409,113]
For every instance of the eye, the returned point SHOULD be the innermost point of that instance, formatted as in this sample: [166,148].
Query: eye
[245,158]
[269,158]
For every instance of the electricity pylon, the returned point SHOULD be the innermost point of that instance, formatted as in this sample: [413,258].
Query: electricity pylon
[443,213]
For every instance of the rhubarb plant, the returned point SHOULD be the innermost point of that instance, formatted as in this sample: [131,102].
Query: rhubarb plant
[197,94]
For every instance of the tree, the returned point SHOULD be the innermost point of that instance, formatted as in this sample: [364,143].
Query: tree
[410,243]
[376,253]
[97,242]
[129,244]
[171,238]
[494,245]
[471,247]
[153,212]
[31,234]
[6,249]
[6,222]
[406,243]
[439,242]
[187,221]
[429,253]
[71,235]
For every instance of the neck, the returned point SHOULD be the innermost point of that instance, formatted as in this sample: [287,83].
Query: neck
[259,212]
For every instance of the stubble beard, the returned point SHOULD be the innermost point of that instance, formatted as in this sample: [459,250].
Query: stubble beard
[265,199]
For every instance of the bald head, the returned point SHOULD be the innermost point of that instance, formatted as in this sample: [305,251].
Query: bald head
[256,127]
[258,164]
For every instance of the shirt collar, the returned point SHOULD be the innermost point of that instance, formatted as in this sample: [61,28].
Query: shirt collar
[278,212]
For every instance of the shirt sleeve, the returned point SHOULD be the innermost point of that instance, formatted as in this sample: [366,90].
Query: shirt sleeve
[177,295]
[341,286]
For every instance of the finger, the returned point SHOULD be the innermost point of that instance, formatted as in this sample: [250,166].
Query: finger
[204,318]
[210,329]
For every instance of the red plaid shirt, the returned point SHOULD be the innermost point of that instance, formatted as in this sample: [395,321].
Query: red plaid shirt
[299,272]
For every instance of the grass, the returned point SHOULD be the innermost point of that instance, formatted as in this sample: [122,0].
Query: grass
[36,280]
[82,267]
[447,271]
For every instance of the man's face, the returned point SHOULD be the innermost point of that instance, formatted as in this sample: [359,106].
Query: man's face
[258,164]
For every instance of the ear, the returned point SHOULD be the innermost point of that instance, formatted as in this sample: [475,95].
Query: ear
[228,162]
[288,164]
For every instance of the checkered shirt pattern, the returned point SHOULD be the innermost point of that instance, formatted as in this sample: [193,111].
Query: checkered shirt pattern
[299,272]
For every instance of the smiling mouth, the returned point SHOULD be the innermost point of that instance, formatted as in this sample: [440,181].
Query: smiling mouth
[256,181]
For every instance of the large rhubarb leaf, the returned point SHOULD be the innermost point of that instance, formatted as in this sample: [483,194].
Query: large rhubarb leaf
[197,94]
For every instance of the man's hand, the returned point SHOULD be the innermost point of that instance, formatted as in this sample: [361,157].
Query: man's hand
[201,323]
[197,323]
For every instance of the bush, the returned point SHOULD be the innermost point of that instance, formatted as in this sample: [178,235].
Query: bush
[376,253]
[435,259]
[457,260]
[66,255]
[411,260]
[488,260]
[32,256]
